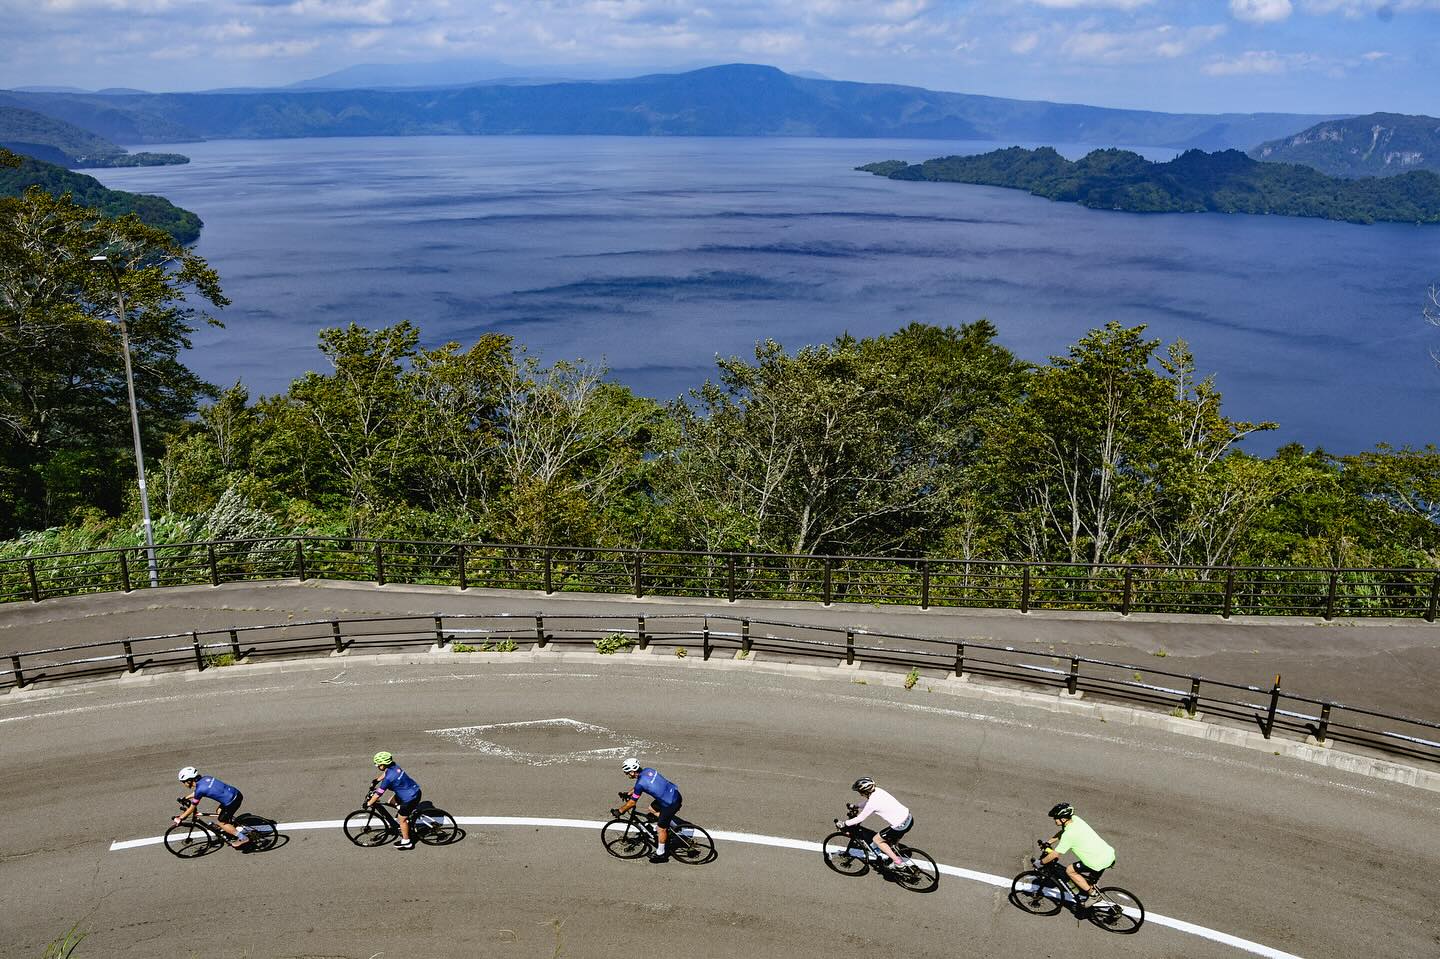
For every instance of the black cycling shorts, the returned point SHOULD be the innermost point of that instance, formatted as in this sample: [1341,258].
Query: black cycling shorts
[892,833]
[665,815]
[1092,876]
[226,813]
[407,808]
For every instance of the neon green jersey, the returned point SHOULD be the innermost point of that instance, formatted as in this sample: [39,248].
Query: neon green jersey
[1089,848]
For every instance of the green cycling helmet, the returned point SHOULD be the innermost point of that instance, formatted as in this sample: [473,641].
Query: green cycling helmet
[383,758]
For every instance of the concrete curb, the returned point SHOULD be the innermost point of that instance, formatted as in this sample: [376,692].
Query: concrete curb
[962,687]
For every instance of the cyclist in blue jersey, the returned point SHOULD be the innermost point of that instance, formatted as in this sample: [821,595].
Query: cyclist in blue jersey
[227,797]
[666,805]
[406,790]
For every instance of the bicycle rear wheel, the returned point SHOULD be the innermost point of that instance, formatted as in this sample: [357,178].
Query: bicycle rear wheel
[845,854]
[691,844]
[1116,910]
[436,827]
[191,839]
[922,875]
[1037,893]
[624,839]
[264,833]
[366,827]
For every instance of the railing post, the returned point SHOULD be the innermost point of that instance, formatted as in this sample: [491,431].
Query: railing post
[124,571]
[1434,609]
[849,647]
[19,673]
[235,645]
[639,586]
[1025,588]
[1229,593]
[1072,682]
[1269,724]
[549,571]
[440,631]
[379,564]
[464,583]
[1129,591]
[730,577]
[745,635]
[1330,595]
[214,569]
[1324,727]
[640,632]
[34,583]
[924,584]
[540,631]
[199,656]
[827,581]
[300,560]
[129,657]
[959,659]
[1192,702]
[705,638]
[335,632]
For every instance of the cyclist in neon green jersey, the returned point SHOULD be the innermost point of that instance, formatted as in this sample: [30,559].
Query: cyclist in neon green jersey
[1095,855]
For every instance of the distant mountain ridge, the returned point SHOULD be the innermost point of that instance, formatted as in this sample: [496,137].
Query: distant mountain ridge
[1377,144]
[36,135]
[733,100]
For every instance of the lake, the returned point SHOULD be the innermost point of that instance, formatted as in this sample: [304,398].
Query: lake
[656,254]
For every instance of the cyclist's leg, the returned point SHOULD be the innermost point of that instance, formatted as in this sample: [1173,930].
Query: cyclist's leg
[1083,877]
[886,837]
[665,815]
[225,820]
[404,813]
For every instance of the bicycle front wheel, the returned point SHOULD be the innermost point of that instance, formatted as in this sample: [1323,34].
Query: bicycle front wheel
[1116,910]
[845,854]
[624,839]
[1037,893]
[922,875]
[190,839]
[436,827]
[366,827]
[691,844]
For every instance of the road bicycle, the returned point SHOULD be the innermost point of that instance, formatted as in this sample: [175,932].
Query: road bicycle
[1046,889]
[198,835]
[851,851]
[633,835]
[376,825]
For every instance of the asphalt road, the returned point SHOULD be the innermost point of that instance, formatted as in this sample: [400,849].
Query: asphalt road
[1292,856]
[1382,664]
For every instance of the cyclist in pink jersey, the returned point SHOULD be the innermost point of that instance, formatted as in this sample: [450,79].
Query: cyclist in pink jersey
[880,803]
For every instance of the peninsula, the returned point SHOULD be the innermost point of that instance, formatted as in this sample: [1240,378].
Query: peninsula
[1227,181]
[17,177]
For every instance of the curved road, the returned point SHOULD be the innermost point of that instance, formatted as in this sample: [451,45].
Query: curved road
[1298,858]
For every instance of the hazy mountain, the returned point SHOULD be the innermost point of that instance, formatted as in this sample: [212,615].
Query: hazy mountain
[457,73]
[735,100]
[36,135]
[1377,144]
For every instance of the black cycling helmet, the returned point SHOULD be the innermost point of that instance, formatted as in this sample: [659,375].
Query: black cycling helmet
[864,785]
[1062,810]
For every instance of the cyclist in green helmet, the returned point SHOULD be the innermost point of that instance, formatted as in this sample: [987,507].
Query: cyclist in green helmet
[406,790]
[1095,855]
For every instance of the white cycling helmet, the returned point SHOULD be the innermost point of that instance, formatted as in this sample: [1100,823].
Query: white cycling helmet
[631,765]
[189,773]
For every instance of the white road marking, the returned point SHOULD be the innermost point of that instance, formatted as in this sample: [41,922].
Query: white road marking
[781,842]
[617,745]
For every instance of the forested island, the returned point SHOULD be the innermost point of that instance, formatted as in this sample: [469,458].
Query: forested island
[1227,181]
[21,173]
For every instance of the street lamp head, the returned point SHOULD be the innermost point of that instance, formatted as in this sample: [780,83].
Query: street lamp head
[99,258]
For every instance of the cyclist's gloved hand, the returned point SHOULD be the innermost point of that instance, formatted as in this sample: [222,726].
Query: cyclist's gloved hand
[839,824]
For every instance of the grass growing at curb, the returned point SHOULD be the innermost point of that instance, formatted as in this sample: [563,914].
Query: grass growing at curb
[219,659]
[681,652]
[613,643]
[500,646]
[64,946]
[912,678]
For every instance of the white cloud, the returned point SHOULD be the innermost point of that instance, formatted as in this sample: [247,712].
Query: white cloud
[1164,42]
[1254,62]
[1024,43]
[1093,4]
[1261,11]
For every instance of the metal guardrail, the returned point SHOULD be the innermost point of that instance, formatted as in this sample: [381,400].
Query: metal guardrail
[917,581]
[1272,709]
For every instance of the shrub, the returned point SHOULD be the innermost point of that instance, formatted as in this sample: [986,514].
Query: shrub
[613,643]
[912,678]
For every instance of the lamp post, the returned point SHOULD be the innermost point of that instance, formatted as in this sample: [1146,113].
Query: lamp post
[134,416]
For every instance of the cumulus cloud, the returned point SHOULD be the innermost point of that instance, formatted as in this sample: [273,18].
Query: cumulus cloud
[1165,42]
[1261,11]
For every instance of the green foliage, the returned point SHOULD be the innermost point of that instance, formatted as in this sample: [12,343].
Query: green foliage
[911,678]
[219,659]
[86,191]
[499,646]
[1195,181]
[55,141]
[64,946]
[613,643]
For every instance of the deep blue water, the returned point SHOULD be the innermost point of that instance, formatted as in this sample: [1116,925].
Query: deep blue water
[656,254]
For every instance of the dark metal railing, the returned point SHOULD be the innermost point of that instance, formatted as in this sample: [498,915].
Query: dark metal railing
[1271,709]
[916,581]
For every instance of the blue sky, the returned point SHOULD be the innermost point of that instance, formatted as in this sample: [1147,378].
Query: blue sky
[1316,56]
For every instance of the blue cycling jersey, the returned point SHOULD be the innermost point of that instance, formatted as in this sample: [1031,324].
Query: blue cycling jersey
[402,785]
[661,789]
[211,788]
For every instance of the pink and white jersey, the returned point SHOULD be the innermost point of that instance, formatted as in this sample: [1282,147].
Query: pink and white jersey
[882,804]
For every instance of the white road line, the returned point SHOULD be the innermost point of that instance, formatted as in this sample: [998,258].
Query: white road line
[781,842]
